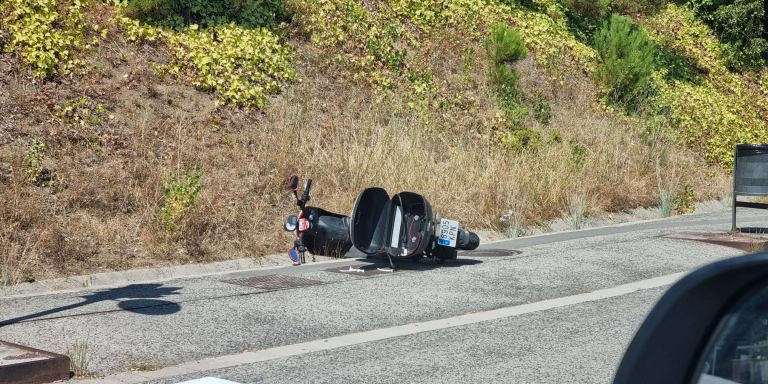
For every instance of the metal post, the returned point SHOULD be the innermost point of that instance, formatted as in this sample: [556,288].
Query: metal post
[733,204]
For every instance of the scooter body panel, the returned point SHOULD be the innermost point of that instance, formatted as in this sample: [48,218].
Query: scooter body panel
[328,233]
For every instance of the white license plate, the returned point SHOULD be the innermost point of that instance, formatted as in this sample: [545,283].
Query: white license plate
[448,233]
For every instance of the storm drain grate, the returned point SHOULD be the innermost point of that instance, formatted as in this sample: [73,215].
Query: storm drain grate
[274,282]
[734,240]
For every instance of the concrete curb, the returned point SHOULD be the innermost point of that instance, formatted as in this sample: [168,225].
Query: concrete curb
[617,225]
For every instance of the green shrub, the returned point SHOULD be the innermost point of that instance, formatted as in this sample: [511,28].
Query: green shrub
[741,24]
[686,201]
[180,13]
[179,194]
[506,80]
[579,154]
[631,7]
[590,9]
[506,45]
[520,138]
[626,57]
[33,160]
[542,110]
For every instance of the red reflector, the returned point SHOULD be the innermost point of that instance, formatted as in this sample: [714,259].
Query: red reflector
[303,225]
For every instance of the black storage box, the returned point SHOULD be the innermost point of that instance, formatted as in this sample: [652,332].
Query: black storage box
[401,226]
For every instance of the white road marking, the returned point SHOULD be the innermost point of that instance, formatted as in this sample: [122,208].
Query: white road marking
[209,380]
[228,361]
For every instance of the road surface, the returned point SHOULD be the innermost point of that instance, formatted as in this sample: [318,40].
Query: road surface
[558,308]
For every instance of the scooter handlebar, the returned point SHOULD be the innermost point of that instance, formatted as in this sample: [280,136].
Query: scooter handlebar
[307,188]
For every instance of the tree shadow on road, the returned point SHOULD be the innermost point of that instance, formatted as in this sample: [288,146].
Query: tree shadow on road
[137,298]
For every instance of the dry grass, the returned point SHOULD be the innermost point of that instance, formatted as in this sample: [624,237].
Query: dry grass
[102,212]
[145,366]
[79,359]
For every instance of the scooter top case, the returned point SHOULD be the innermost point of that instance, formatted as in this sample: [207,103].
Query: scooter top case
[401,226]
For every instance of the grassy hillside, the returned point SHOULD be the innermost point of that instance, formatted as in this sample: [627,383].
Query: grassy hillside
[146,133]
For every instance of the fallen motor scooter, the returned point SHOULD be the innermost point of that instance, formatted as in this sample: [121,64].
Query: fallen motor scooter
[401,227]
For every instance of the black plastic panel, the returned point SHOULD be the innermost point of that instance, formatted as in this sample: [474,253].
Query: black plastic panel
[329,234]
[369,221]
[751,170]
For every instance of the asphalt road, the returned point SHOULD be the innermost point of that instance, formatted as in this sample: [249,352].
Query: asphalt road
[277,336]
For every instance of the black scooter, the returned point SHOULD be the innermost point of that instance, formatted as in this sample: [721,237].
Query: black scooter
[401,227]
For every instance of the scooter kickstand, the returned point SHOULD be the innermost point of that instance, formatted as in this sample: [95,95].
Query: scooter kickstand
[391,263]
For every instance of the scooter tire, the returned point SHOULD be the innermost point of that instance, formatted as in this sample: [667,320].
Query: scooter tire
[467,240]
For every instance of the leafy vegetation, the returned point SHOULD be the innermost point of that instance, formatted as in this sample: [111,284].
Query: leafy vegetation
[404,29]
[741,26]
[241,65]
[221,47]
[82,111]
[600,9]
[626,60]
[179,194]
[134,30]
[721,109]
[46,34]
[178,14]
[33,160]
[593,10]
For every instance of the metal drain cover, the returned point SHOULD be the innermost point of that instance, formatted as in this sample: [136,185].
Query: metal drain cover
[491,252]
[274,282]
[19,364]
[738,241]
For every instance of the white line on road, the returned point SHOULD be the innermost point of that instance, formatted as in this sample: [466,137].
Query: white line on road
[228,361]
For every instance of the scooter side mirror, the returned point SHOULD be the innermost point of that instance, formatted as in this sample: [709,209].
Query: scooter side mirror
[293,182]
[290,223]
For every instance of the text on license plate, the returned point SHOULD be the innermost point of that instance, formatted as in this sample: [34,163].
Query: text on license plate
[448,233]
